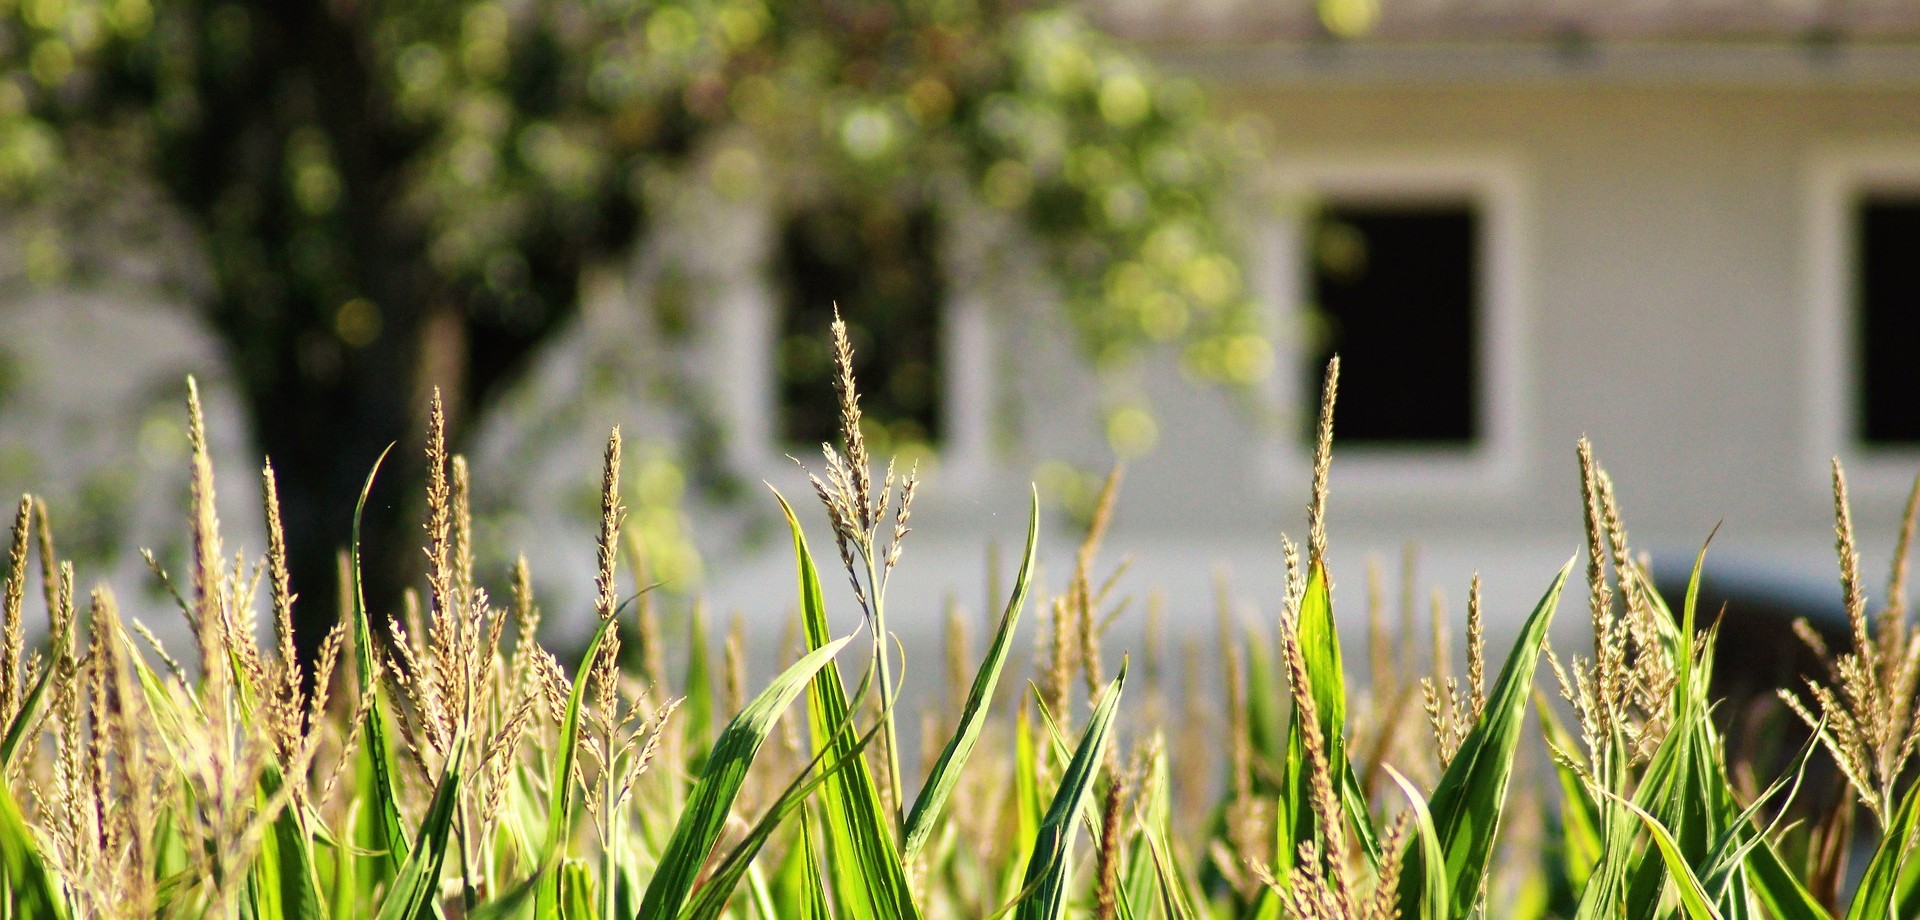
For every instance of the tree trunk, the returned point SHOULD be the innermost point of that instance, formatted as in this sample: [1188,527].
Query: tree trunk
[323,402]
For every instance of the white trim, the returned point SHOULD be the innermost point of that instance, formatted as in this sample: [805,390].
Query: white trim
[1477,64]
[740,363]
[1836,176]
[1495,183]
[966,391]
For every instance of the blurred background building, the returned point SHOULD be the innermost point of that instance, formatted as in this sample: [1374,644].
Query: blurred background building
[1686,229]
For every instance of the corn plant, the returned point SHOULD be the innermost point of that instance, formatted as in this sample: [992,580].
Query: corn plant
[436,761]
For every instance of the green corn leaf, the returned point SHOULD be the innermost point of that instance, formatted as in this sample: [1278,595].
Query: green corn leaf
[1906,890]
[560,781]
[1879,894]
[1579,817]
[576,891]
[793,876]
[1749,846]
[27,888]
[547,896]
[930,804]
[1693,896]
[262,900]
[711,801]
[1468,801]
[870,882]
[416,886]
[514,902]
[1175,903]
[1781,892]
[697,716]
[1434,897]
[709,902]
[758,895]
[1353,801]
[286,860]
[1320,646]
[389,833]
[814,907]
[1155,809]
[1606,893]
[1688,792]
[1090,812]
[1047,868]
[29,711]
[1319,642]
[1681,786]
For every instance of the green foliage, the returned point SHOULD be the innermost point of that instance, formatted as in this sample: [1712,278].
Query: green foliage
[351,173]
[711,801]
[29,889]
[1043,896]
[862,855]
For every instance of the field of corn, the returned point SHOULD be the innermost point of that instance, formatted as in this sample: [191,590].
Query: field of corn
[442,764]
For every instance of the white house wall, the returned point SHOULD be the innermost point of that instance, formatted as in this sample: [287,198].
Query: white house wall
[1665,308]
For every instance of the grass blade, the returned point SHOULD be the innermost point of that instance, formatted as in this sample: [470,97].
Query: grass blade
[390,834]
[560,781]
[869,878]
[711,802]
[1319,640]
[1048,866]
[1434,895]
[295,874]
[416,886]
[1878,897]
[1468,801]
[29,711]
[27,888]
[932,800]
[1693,896]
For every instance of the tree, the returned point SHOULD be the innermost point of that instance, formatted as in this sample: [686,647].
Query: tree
[396,194]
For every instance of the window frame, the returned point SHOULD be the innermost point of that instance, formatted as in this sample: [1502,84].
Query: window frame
[1838,177]
[1494,184]
[739,349]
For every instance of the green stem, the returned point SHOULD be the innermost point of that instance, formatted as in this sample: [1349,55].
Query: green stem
[889,738]
[610,846]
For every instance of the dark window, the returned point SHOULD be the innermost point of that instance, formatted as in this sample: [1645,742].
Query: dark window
[1888,298]
[1398,288]
[879,265]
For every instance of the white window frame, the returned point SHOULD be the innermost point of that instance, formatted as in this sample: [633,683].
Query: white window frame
[1496,185]
[739,354]
[1836,176]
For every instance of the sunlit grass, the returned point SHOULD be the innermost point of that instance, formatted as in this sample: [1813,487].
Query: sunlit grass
[443,764]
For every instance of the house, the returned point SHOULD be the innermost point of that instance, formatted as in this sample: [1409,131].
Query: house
[1686,229]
